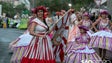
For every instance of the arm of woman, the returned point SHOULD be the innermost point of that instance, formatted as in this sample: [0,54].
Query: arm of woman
[110,23]
[28,22]
[94,25]
[50,19]
[80,23]
[55,42]
[91,27]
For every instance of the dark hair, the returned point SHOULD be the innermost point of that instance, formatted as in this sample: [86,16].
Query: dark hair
[44,21]
[46,24]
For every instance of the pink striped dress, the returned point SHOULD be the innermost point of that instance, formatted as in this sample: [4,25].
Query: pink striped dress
[102,38]
[40,48]
[81,52]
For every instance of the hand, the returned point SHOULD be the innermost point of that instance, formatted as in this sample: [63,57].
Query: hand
[48,32]
[12,43]
[63,26]
[56,43]
[96,30]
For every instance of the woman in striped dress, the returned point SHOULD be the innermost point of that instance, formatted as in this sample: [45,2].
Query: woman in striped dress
[40,48]
[103,36]
[86,21]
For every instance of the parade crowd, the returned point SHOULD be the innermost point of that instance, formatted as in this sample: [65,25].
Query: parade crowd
[69,36]
[17,21]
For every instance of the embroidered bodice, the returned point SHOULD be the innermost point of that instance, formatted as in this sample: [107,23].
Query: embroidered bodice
[103,25]
[83,39]
[86,23]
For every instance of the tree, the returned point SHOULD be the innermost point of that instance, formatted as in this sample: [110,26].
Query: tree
[57,5]
[77,4]
[20,8]
[9,9]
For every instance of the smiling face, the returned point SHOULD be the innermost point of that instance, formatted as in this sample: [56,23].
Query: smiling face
[40,14]
[86,17]
[103,15]
[82,31]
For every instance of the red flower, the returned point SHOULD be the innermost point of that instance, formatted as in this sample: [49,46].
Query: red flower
[41,8]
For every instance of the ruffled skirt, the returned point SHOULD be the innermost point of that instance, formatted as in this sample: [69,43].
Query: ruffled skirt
[22,40]
[101,39]
[18,54]
[82,56]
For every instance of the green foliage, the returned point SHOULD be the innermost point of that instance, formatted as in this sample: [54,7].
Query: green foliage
[9,9]
[23,23]
[20,8]
[56,5]
[77,4]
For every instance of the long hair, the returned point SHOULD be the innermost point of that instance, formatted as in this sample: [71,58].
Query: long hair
[44,21]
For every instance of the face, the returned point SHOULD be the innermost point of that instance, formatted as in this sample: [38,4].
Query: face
[103,15]
[40,13]
[86,17]
[82,31]
[79,16]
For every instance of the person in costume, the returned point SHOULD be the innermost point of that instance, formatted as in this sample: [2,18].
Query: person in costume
[74,19]
[63,12]
[18,46]
[49,20]
[73,30]
[60,37]
[4,20]
[40,47]
[79,17]
[14,43]
[103,22]
[86,20]
[103,36]
[57,16]
[81,52]
[73,16]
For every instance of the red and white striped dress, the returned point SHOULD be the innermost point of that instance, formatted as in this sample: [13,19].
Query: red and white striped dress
[40,48]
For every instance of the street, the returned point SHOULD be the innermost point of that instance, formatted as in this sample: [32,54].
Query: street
[6,36]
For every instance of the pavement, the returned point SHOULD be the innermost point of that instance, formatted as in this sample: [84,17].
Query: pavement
[7,36]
